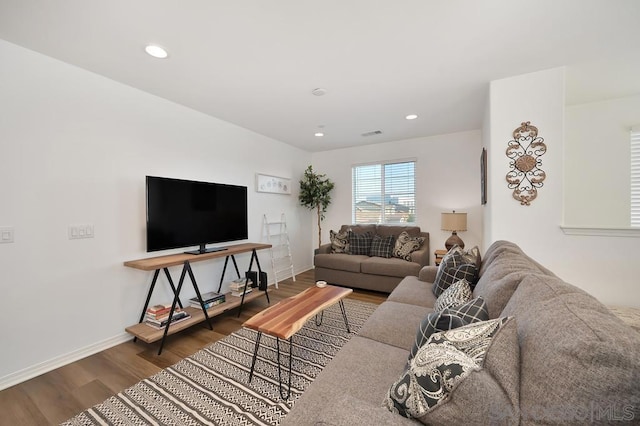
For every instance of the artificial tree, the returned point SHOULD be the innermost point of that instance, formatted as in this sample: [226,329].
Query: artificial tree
[314,194]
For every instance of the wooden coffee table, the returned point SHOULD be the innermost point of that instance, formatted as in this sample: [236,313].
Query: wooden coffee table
[287,317]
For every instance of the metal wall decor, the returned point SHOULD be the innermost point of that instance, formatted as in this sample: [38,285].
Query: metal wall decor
[526,174]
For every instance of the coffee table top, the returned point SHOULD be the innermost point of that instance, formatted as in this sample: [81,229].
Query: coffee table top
[288,316]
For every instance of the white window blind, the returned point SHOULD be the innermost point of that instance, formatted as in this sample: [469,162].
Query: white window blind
[635,178]
[384,192]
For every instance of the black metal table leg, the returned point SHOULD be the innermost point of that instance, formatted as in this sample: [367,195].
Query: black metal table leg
[344,315]
[279,368]
[173,308]
[255,355]
[319,323]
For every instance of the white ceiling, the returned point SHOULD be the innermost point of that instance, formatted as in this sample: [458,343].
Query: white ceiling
[255,62]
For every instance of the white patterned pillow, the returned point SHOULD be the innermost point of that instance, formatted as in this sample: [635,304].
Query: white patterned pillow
[439,367]
[456,294]
[405,245]
[339,241]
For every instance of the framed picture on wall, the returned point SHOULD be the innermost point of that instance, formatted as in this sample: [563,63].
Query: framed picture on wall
[483,177]
[273,184]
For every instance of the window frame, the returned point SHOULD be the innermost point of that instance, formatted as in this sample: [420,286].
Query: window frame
[384,219]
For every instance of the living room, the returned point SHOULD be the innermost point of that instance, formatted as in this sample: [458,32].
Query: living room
[77,145]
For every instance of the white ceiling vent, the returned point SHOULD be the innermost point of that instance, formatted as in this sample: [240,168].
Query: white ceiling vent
[375,132]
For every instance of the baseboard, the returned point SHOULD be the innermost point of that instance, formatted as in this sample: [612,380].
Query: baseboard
[62,360]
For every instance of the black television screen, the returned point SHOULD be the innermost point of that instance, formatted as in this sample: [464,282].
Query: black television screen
[183,213]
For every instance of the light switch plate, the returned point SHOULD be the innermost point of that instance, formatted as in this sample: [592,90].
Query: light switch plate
[6,234]
[80,231]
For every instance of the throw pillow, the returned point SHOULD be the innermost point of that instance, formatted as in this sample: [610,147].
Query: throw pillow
[405,245]
[382,246]
[339,241]
[473,311]
[453,268]
[443,366]
[360,243]
[432,323]
[456,294]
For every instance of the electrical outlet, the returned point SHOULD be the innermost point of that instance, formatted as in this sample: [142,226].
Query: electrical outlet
[6,234]
[80,231]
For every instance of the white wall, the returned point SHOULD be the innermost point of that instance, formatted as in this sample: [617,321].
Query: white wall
[447,178]
[606,267]
[74,149]
[597,140]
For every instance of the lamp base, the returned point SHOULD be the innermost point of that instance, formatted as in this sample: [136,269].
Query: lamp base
[454,240]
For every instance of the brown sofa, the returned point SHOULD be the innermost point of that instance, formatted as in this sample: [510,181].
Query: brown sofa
[370,273]
[569,360]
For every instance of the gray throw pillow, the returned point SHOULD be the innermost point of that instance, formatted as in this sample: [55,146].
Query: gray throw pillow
[382,246]
[473,311]
[453,268]
[405,245]
[339,241]
[443,366]
[360,243]
[433,323]
[456,294]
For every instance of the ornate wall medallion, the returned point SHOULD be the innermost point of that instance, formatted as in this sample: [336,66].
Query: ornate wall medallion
[526,175]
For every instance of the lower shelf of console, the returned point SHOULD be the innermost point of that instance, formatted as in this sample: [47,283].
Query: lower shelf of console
[149,334]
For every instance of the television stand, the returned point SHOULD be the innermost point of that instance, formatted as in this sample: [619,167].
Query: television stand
[203,250]
[148,334]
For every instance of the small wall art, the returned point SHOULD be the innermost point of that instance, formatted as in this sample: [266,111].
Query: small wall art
[273,184]
[525,175]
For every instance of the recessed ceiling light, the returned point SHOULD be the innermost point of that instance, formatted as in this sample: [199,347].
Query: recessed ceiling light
[156,51]
[319,134]
[411,117]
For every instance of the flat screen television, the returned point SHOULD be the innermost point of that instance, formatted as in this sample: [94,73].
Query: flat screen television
[184,213]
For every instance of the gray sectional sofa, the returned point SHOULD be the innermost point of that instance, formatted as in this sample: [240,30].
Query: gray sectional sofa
[370,272]
[570,360]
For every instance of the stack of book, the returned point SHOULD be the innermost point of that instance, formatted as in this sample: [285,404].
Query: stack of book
[157,316]
[208,300]
[239,286]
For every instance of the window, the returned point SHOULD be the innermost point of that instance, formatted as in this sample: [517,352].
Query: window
[635,178]
[384,192]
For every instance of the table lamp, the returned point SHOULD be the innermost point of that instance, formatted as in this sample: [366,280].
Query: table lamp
[454,222]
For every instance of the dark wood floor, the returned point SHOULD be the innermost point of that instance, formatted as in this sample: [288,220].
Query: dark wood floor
[60,394]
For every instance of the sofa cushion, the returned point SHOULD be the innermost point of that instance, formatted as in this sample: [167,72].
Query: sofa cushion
[433,323]
[362,369]
[413,292]
[394,324]
[359,229]
[391,267]
[456,294]
[473,311]
[453,268]
[461,376]
[405,245]
[395,230]
[564,328]
[340,261]
[339,241]
[360,243]
[382,246]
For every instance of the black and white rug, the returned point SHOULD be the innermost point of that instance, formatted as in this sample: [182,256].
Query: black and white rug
[212,387]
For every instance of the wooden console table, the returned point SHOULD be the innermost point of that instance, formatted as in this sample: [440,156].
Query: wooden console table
[149,334]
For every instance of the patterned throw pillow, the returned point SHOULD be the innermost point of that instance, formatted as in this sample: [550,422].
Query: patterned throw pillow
[339,241]
[453,268]
[456,294]
[473,311]
[360,243]
[432,323]
[405,245]
[439,366]
[382,246]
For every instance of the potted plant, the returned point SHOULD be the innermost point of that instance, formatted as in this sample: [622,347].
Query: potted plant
[314,194]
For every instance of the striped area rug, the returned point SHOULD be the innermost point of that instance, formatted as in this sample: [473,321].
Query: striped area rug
[212,387]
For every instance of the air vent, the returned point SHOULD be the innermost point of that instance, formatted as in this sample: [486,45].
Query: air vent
[375,132]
